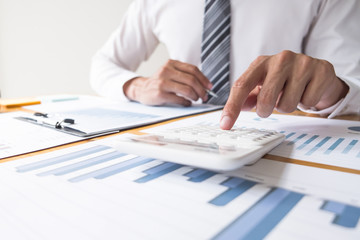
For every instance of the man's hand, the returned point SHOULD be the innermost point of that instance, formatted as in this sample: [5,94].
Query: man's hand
[281,82]
[175,83]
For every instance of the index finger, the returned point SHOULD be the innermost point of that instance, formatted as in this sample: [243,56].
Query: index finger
[239,93]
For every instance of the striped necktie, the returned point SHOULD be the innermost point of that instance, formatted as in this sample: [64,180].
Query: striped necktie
[215,48]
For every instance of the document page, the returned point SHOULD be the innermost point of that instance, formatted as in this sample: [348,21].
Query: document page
[311,141]
[18,137]
[92,191]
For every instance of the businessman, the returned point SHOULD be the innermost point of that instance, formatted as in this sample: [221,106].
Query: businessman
[263,54]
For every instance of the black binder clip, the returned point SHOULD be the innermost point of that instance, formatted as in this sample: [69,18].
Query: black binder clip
[66,120]
[39,114]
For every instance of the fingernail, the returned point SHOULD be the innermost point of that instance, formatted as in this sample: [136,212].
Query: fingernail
[225,122]
[209,86]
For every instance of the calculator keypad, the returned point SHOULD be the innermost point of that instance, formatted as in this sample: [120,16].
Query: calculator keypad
[240,137]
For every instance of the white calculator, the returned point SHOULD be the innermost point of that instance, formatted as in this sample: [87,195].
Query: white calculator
[203,146]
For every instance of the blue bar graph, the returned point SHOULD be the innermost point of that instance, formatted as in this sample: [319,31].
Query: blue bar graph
[83,164]
[307,142]
[334,145]
[236,186]
[60,159]
[334,207]
[158,171]
[199,175]
[289,135]
[113,169]
[349,217]
[232,182]
[345,215]
[350,146]
[275,217]
[297,139]
[260,219]
[317,146]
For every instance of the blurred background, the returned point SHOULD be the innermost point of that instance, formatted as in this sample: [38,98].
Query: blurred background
[46,46]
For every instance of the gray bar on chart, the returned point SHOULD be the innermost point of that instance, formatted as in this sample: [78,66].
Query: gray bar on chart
[60,159]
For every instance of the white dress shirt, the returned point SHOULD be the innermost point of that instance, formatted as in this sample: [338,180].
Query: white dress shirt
[324,29]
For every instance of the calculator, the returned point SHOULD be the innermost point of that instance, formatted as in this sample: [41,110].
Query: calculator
[203,146]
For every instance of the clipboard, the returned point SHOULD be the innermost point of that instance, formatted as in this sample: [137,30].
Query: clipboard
[101,120]
[59,125]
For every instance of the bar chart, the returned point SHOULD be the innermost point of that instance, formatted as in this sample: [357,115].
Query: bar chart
[319,147]
[324,149]
[316,140]
[319,140]
[248,210]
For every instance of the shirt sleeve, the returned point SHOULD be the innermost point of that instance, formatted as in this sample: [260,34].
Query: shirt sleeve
[131,43]
[335,37]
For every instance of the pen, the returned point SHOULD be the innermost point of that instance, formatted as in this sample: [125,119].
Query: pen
[211,93]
